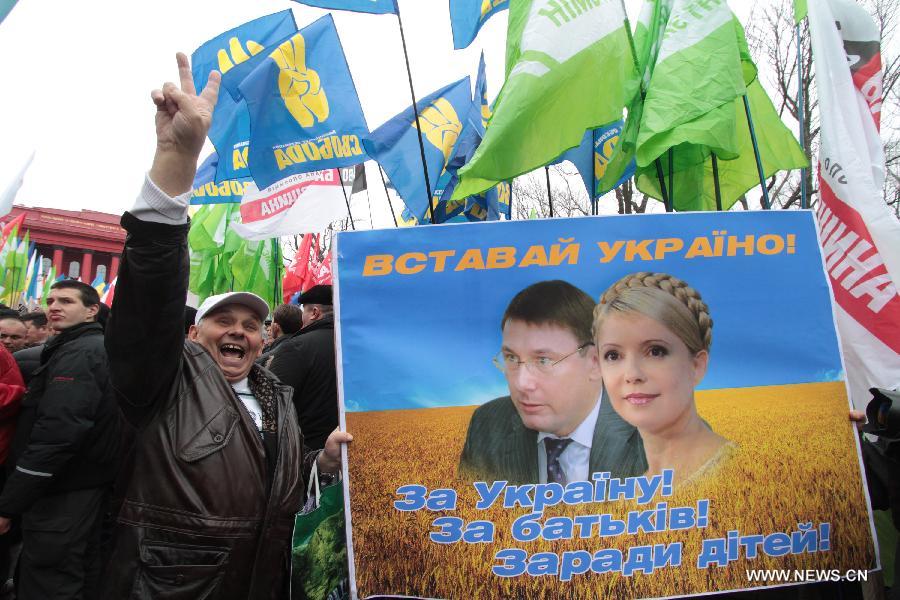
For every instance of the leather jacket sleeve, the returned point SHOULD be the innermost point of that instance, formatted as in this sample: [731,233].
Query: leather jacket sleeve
[145,334]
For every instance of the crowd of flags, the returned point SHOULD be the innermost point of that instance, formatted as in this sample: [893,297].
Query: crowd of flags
[25,280]
[578,88]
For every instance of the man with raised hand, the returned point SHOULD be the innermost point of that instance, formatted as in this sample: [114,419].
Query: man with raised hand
[218,464]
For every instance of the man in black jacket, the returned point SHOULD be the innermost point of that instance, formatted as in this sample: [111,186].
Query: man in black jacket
[64,453]
[287,320]
[306,363]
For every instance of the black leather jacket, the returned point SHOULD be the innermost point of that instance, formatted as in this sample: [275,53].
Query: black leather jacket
[202,516]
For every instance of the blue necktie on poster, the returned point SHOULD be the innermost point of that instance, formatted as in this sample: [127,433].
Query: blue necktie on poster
[468,16]
[206,190]
[592,165]
[395,145]
[375,7]
[230,131]
[304,111]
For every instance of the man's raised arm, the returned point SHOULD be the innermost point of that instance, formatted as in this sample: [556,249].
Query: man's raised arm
[145,334]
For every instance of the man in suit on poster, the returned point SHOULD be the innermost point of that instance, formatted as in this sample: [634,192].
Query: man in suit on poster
[553,426]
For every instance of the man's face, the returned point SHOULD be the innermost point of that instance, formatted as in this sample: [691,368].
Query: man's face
[65,309]
[559,400]
[233,336]
[36,334]
[12,334]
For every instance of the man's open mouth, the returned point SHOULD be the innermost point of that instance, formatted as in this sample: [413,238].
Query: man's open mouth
[231,351]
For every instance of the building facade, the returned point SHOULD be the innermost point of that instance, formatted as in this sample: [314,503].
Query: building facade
[83,243]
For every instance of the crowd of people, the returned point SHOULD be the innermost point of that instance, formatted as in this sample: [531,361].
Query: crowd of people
[151,449]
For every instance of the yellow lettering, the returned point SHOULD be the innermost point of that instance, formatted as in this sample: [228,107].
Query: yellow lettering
[472,259]
[403,267]
[378,264]
[282,159]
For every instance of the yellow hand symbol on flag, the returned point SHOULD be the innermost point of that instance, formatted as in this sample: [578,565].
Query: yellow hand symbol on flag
[300,87]
[441,126]
[488,5]
[236,54]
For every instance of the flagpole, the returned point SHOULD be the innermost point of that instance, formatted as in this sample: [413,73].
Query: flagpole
[637,67]
[412,93]
[715,166]
[593,187]
[670,205]
[276,298]
[509,208]
[800,109]
[346,200]
[549,195]
[387,196]
[759,168]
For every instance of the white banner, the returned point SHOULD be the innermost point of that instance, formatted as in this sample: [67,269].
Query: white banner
[302,203]
[859,235]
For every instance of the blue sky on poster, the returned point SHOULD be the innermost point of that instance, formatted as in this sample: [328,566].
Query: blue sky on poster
[427,340]
[77,80]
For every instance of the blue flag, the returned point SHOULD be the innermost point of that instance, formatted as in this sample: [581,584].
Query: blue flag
[484,207]
[395,145]
[304,111]
[468,16]
[206,190]
[230,131]
[376,7]
[481,101]
[592,165]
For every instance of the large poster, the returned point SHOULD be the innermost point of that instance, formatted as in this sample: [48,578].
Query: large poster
[629,407]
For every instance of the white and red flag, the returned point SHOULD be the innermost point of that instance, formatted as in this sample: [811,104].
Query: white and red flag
[860,236]
[302,203]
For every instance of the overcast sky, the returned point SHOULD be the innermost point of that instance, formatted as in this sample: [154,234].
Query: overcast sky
[77,78]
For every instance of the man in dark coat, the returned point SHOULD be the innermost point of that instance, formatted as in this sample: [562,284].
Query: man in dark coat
[287,320]
[64,454]
[553,426]
[218,467]
[306,363]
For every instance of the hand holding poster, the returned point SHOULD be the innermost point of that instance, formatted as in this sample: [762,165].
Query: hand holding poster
[512,439]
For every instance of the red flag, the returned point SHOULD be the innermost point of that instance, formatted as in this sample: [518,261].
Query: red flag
[14,224]
[295,276]
[323,273]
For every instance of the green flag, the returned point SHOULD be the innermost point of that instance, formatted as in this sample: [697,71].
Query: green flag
[707,116]
[212,241]
[697,75]
[648,34]
[49,280]
[693,177]
[253,268]
[799,11]
[568,69]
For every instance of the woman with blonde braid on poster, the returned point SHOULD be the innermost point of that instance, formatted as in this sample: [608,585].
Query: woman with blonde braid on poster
[653,333]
